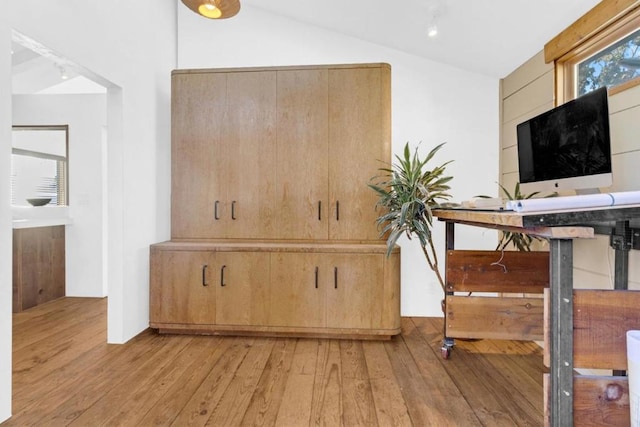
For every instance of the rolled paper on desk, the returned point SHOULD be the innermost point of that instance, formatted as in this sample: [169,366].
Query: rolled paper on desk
[633,373]
[575,202]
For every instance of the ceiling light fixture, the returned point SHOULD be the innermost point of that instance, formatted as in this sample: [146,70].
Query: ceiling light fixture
[435,9]
[432,29]
[214,9]
[63,72]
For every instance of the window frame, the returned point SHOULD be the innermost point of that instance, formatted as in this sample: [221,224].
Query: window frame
[603,25]
[566,66]
[62,196]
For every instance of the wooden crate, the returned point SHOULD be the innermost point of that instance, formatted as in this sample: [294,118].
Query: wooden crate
[601,319]
[495,271]
[516,310]
[598,401]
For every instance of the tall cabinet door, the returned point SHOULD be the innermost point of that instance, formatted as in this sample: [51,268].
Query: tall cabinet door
[198,154]
[359,145]
[180,288]
[223,150]
[250,140]
[302,188]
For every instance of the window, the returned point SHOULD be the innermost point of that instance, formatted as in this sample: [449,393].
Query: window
[600,49]
[614,65]
[39,164]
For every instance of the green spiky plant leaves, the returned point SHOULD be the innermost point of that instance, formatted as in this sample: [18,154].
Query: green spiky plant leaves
[520,241]
[407,192]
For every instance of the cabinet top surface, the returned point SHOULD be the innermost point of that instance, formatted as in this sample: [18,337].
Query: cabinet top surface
[273,246]
[283,68]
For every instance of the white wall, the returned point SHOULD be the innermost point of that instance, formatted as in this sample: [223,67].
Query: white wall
[431,103]
[131,45]
[136,60]
[5,217]
[86,117]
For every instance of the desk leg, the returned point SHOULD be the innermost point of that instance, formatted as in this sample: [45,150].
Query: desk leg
[621,273]
[447,343]
[561,339]
[621,269]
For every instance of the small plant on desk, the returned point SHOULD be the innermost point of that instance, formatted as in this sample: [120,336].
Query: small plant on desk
[520,241]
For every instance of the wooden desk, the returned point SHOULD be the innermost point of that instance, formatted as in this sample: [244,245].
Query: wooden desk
[560,228]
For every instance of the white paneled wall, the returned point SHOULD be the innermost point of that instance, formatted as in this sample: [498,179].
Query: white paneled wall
[529,91]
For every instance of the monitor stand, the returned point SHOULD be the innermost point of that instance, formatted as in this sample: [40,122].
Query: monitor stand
[587,191]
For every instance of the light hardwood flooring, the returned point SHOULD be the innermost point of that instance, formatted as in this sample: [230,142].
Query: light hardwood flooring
[65,374]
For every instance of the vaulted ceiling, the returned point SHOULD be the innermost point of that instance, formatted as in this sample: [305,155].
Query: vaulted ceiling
[490,37]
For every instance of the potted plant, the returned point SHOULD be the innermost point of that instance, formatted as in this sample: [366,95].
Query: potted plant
[521,242]
[407,192]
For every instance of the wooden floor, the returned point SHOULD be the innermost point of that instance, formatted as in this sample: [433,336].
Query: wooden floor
[65,374]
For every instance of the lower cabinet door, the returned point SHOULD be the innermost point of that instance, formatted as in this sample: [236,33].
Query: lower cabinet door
[181,287]
[297,294]
[209,287]
[355,291]
[242,288]
[324,290]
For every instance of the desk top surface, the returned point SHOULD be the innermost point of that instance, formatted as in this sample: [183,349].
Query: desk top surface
[576,223]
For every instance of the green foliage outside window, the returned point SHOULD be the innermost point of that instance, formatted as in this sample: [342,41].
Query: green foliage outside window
[612,66]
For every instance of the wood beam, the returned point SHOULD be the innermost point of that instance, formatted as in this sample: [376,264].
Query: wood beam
[602,15]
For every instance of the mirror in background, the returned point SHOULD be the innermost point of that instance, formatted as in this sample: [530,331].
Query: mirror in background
[39,165]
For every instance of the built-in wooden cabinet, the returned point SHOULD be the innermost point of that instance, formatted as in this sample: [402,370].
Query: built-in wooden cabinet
[271,159]
[38,266]
[280,289]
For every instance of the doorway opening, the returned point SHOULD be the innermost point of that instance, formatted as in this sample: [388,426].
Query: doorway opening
[49,88]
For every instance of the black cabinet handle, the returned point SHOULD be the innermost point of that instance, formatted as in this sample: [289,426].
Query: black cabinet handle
[204,275]
[316,277]
[222,276]
[319,210]
[215,210]
[338,210]
[233,210]
[335,277]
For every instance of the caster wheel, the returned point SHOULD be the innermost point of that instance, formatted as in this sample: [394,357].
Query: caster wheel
[445,352]
[447,347]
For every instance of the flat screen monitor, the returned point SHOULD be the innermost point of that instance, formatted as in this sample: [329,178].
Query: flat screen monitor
[568,147]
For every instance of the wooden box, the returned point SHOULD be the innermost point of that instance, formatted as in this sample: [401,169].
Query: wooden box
[515,282]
